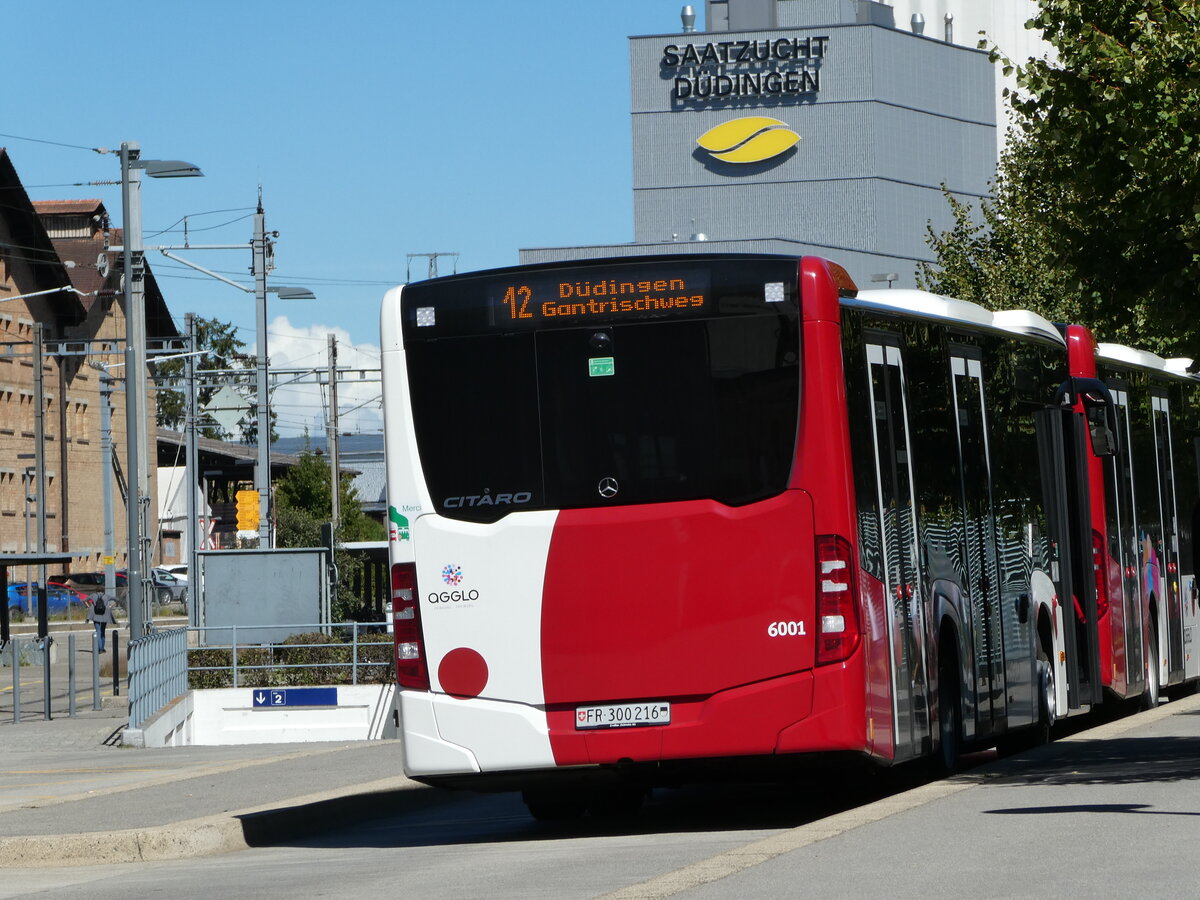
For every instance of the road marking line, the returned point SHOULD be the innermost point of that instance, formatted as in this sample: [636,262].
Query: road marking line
[757,852]
[714,868]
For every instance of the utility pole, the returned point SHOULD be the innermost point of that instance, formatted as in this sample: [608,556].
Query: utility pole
[138,461]
[433,262]
[262,470]
[135,377]
[191,471]
[106,479]
[39,440]
[331,436]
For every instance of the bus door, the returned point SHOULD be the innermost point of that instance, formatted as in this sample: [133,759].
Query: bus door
[1168,544]
[978,538]
[906,621]
[1123,540]
[1062,456]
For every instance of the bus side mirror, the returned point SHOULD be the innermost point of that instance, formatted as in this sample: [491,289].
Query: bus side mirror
[1098,408]
[1104,439]
[1101,419]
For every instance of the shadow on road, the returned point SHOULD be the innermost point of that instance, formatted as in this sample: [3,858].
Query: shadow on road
[1130,760]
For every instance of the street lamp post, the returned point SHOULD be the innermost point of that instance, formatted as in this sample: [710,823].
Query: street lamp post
[260,246]
[138,463]
[27,485]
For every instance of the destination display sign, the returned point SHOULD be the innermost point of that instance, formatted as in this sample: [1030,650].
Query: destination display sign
[597,294]
[603,295]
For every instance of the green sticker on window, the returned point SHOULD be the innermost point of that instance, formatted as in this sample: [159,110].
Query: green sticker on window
[601,365]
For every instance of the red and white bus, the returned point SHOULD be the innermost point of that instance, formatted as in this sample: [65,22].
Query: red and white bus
[652,514]
[1145,508]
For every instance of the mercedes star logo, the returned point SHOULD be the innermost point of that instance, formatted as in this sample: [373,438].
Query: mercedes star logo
[608,487]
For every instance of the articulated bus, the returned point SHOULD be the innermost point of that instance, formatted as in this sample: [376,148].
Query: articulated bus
[1145,511]
[656,518]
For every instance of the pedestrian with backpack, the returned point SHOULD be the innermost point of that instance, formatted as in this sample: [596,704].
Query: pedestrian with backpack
[101,615]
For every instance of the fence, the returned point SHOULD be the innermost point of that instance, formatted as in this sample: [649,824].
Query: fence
[157,672]
[345,653]
[47,677]
[169,663]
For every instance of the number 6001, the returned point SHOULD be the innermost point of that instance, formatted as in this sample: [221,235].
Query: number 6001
[785,629]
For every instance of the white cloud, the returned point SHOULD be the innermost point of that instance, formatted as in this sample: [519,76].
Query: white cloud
[303,405]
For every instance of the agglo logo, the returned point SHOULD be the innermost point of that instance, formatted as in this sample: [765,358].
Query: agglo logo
[452,574]
[748,140]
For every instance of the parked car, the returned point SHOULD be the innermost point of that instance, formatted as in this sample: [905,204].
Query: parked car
[168,588]
[60,581]
[91,582]
[58,599]
[178,570]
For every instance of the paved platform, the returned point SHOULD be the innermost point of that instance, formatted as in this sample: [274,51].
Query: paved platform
[71,795]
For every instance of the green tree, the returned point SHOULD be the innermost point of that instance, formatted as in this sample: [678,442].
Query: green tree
[302,506]
[1099,192]
[222,349]
[998,258]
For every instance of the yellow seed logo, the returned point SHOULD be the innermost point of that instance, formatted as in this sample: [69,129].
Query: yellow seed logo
[748,140]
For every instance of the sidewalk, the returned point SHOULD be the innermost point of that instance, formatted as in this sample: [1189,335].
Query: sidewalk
[71,795]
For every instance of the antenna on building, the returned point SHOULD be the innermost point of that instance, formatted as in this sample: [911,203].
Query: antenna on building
[688,17]
[433,266]
[949,28]
[918,23]
[698,235]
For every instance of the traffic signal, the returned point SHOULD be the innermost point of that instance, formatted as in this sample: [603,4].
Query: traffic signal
[247,510]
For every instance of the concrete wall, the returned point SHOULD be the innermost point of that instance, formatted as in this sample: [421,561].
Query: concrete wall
[229,716]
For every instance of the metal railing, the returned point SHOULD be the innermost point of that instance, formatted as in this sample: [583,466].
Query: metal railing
[342,653]
[47,669]
[166,664]
[157,672]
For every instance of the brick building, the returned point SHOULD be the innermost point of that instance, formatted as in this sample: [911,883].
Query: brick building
[61,248]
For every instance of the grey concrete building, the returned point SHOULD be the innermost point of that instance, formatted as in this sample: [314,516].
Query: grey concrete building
[803,127]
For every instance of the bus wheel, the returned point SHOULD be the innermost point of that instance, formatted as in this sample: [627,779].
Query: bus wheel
[1047,699]
[949,712]
[554,805]
[1150,698]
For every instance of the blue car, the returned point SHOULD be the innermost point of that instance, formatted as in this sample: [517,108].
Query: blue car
[58,599]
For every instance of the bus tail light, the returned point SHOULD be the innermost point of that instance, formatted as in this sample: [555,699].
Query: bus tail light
[838,630]
[1101,571]
[411,669]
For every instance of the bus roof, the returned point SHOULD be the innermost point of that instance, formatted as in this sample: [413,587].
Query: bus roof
[1130,356]
[936,306]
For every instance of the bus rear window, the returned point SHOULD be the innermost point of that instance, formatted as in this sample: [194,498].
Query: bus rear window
[618,413]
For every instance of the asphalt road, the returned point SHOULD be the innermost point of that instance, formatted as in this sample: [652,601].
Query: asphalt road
[1109,812]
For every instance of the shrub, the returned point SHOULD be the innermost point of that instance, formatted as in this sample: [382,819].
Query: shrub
[212,667]
[311,658]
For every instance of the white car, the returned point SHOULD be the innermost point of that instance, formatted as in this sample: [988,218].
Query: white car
[179,570]
[169,588]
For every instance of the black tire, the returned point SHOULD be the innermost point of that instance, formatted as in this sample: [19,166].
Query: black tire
[164,596]
[1151,697]
[1047,701]
[949,710]
[554,806]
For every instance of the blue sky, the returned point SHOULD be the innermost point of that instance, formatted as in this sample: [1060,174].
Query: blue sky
[376,129]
